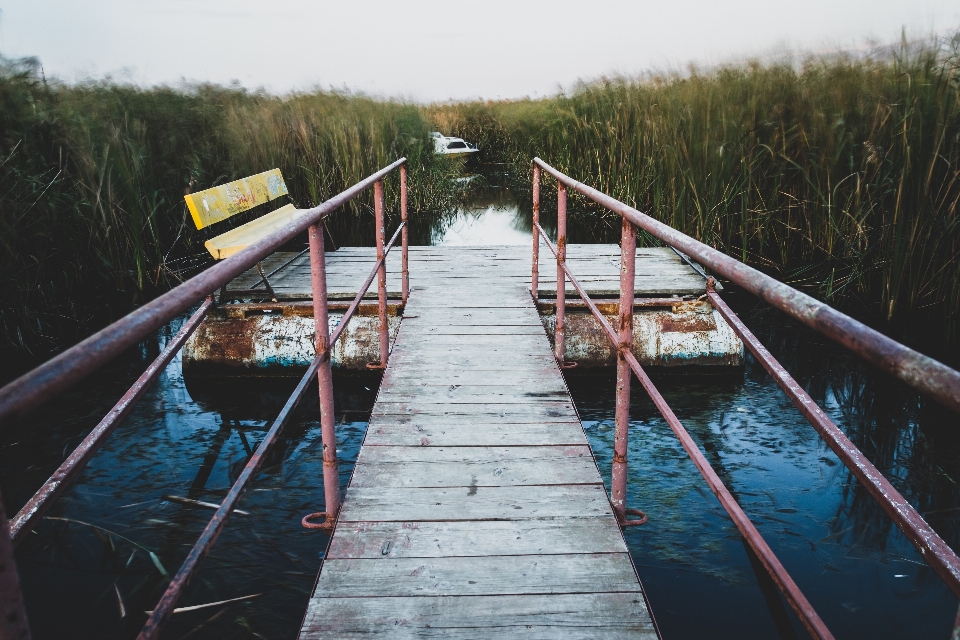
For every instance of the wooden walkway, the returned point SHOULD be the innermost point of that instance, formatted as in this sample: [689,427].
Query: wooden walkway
[597,266]
[476,508]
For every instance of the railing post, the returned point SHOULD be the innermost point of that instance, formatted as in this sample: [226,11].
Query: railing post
[404,244]
[321,323]
[628,257]
[558,342]
[535,273]
[378,206]
[13,616]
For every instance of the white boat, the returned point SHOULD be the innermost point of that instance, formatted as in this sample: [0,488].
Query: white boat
[448,146]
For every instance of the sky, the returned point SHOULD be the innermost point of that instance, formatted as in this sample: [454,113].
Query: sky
[427,50]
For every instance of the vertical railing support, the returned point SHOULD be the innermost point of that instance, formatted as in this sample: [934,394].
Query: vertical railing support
[558,334]
[404,243]
[535,265]
[628,257]
[378,205]
[321,323]
[13,616]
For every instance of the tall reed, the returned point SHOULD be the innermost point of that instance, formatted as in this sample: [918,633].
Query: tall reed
[92,178]
[838,174]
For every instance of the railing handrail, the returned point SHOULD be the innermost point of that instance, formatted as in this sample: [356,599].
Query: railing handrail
[331,478]
[921,372]
[77,362]
[804,610]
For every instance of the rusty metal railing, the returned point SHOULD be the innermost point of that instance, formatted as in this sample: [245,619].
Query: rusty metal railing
[923,373]
[73,365]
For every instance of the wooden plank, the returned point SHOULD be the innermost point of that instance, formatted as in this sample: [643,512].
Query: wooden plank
[384,431]
[376,540]
[219,203]
[465,411]
[446,376]
[234,240]
[483,575]
[387,504]
[413,391]
[475,474]
[533,617]
[475,479]
[475,467]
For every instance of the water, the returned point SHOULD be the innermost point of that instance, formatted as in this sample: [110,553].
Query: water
[858,570]
[492,217]
[855,567]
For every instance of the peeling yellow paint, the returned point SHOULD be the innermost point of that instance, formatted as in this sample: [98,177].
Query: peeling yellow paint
[219,203]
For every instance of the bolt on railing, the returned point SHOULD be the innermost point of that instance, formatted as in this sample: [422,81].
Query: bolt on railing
[56,375]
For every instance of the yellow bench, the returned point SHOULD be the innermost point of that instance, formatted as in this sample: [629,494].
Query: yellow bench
[216,204]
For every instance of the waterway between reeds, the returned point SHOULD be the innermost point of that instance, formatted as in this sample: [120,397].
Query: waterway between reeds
[87,571]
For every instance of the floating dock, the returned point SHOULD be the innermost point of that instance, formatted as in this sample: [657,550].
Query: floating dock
[476,508]
[250,335]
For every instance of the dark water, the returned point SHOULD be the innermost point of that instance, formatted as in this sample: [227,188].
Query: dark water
[856,568]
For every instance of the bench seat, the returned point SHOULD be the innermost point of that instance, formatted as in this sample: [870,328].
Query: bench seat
[229,243]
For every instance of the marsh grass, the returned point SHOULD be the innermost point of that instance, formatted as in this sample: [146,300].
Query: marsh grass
[836,174]
[92,178]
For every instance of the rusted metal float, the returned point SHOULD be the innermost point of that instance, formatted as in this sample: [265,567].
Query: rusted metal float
[248,335]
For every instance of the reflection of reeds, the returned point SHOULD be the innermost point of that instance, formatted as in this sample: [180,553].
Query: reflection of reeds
[850,166]
[92,177]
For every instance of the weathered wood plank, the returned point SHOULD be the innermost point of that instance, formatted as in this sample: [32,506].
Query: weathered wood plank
[473,466]
[475,479]
[413,391]
[466,411]
[446,376]
[483,575]
[474,474]
[444,433]
[377,540]
[463,503]
[533,617]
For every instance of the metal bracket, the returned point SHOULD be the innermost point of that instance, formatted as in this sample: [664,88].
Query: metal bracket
[634,523]
[327,523]
[273,296]
[697,268]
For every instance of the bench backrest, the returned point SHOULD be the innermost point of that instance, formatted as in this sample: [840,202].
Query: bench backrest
[219,203]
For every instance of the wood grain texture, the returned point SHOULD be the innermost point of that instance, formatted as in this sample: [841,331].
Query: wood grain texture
[441,433]
[475,508]
[458,270]
[378,540]
[535,617]
[477,575]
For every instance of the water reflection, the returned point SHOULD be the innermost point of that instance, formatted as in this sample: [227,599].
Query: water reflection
[854,565]
[492,217]
[857,569]
[91,561]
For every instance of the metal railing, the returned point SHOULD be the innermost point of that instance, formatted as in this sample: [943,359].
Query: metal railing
[924,374]
[56,375]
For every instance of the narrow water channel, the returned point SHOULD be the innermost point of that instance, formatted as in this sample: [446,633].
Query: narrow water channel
[88,571]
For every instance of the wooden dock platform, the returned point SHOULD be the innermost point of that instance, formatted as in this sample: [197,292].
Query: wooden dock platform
[476,508]
[250,335]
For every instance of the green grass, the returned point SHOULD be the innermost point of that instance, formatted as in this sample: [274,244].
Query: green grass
[92,177]
[836,174]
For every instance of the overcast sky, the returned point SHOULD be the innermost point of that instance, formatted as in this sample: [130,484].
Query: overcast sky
[430,50]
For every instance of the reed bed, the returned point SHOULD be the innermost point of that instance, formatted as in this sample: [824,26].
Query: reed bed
[837,174]
[92,178]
